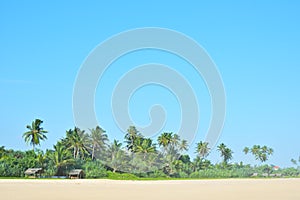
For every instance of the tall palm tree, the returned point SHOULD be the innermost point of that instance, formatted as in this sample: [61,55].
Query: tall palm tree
[228,155]
[246,150]
[131,136]
[202,149]
[225,152]
[164,140]
[77,140]
[255,150]
[183,146]
[117,158]
[98,140]
[175,140]
[35,134]
[261,153]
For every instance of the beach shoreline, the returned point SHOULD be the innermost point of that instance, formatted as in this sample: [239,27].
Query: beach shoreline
[279,188]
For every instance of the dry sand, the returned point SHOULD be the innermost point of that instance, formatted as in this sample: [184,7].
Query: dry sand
[242,189]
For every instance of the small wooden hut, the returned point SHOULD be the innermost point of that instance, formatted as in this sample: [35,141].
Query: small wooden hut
[33,172]
[76,174]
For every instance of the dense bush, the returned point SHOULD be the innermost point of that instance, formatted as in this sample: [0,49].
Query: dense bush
[123,176]
[14,163]
[157,174]
[94,170]
[222,173]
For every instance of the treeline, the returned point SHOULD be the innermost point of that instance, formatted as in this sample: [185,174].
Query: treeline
[138,157]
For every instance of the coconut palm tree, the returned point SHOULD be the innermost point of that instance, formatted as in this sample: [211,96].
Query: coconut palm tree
[78,141]
[98,140]
[202,149]
[145,145]
[246,150]
[61,158]
[183,146]
[225,152]
[41,159]
[117,158]
[260,153]
[228,155]
[35,134]
[175,140]
[295,162]
[164,140]
[131,136]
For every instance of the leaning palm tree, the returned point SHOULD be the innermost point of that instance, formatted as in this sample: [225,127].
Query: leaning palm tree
[98,140]
[202,149]
[35,134]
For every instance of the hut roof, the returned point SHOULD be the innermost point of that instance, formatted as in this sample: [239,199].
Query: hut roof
[75,172]
[32,171]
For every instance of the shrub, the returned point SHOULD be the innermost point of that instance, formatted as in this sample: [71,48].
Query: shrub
[157,174]
[94,169]
[123,176]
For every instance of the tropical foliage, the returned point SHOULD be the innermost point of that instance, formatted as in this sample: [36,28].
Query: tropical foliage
[260,153]
[35,133]
[142,157]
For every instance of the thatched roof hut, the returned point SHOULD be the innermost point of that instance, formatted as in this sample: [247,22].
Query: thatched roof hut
[34,172]
[76,173]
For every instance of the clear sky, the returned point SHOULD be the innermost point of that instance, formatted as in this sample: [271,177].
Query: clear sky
[255,44]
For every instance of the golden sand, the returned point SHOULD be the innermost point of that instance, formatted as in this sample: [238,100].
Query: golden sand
[239,189]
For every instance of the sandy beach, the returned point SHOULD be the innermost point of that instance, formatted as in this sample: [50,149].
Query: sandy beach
[287,189]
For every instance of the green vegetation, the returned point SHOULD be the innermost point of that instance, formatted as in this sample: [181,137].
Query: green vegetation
[139,159]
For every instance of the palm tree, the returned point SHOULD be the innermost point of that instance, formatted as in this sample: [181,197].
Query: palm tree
[77,140]
[175,140]
[145,146]
[35,134]
[98,140]
[261,153]
[117,158]
[295,162]
[41,158]
[228,155]
[164,140]
[255,150]
[225,152]
[131,136]
[202,149]
[183,146]
[246,150]
[61,158]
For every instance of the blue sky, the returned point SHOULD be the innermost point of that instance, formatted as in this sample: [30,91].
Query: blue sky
[255,44]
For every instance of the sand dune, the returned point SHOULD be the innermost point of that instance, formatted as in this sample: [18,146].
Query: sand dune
[241,189]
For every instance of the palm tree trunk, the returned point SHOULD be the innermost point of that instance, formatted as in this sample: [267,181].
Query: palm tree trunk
[93,152]
[74,153]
